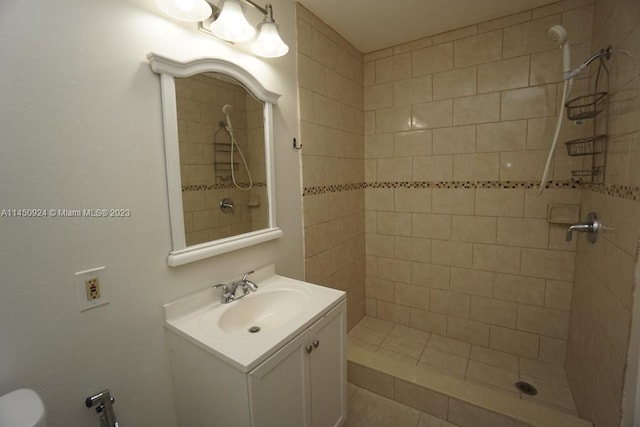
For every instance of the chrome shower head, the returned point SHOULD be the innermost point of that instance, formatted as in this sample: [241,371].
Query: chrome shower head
[227,109]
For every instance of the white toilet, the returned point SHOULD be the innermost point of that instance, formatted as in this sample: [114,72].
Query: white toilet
[22,408]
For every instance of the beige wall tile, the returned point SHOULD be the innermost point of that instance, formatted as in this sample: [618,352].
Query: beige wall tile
[501,75]
[535,205]
[393,68]
[393,119]
[394,269]
[502,136]
[379,245]
[370,172]
[416,200]
[411,295]
[494,358]
[452,140]
[468,331]
[378,199]
[499,202]
[472,282]
[494,312]
[378,97]
[431,226]
[427,321]
[458,254]
[430,275]
[413,45]
[478,49]
[397,224]
[522,165]
[535,101]
[452,201]
[526,290]
[500,259]
[433,168]
[528,37]
[525,232]
[454,83]
[558,295]
[469,228]
[494,24]
[312,75]
[451,303]
[413,143]
[549,264]
[394,170]
[378,146]
[399,314]
[413,249]
[369,74]
[476,167]
[515,342]
[477,109]
[455,34]
[543,321]
[546,67]
[432,115]
[412,91]
[432,59]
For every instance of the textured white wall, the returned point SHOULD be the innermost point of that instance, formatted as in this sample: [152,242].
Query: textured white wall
[80,125]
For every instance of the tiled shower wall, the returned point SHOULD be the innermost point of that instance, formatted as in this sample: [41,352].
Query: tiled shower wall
[331,121]
[458,127]
[200,100]
[604,282]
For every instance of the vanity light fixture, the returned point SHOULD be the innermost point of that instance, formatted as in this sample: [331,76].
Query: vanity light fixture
[186,10]
[228,22]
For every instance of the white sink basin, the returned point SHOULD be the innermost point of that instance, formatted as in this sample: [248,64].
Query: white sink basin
[261,311]
[245,331]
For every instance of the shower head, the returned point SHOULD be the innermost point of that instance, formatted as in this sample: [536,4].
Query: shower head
[227,109]
[558,35]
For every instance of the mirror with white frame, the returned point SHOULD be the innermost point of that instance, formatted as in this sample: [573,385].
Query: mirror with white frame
[218,135]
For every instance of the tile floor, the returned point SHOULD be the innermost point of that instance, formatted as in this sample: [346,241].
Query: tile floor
[367,409]
[480,365]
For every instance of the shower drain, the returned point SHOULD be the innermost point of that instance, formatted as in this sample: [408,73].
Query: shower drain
[526,388]
[254,329]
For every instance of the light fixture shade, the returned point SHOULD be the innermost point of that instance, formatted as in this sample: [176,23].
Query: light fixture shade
[185,10]
[232,25]
[269,44]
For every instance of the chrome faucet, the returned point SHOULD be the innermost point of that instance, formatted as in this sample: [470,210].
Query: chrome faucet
[591,227]
[230,292]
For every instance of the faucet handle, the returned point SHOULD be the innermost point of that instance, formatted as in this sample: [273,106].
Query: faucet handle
[245,275]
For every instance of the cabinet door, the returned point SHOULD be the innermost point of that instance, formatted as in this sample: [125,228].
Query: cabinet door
[279,387]
[328,369]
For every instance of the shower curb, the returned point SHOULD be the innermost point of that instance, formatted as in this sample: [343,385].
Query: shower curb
[436,393]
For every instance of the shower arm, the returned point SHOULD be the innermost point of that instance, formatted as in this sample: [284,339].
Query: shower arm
[604,53]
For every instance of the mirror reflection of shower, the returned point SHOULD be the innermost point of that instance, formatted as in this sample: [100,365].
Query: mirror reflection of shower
[227,109]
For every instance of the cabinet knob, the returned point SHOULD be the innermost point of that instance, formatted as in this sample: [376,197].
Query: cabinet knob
[316,343]
[309,349]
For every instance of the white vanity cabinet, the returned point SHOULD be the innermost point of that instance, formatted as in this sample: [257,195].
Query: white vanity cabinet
[300,383]
[304,383]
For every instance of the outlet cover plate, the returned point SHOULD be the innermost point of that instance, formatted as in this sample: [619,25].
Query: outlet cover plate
[90,288]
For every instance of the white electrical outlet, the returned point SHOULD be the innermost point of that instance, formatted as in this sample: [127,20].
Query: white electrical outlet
[90,286]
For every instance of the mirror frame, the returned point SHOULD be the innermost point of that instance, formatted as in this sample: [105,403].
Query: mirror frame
[169,69]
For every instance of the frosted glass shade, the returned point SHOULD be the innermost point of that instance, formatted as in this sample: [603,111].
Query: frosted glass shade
[185,10]
[269,44]
[231,25]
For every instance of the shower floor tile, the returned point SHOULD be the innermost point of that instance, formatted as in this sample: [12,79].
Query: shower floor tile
[491,368]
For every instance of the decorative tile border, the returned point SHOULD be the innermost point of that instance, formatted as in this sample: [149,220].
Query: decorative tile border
[309,191]
[614,190]
[218,186]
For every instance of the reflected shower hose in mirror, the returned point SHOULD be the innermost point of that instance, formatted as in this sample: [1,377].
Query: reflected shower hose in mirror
[227,109]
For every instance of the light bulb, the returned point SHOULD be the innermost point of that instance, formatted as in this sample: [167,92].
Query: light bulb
[269,44]
[232,25]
